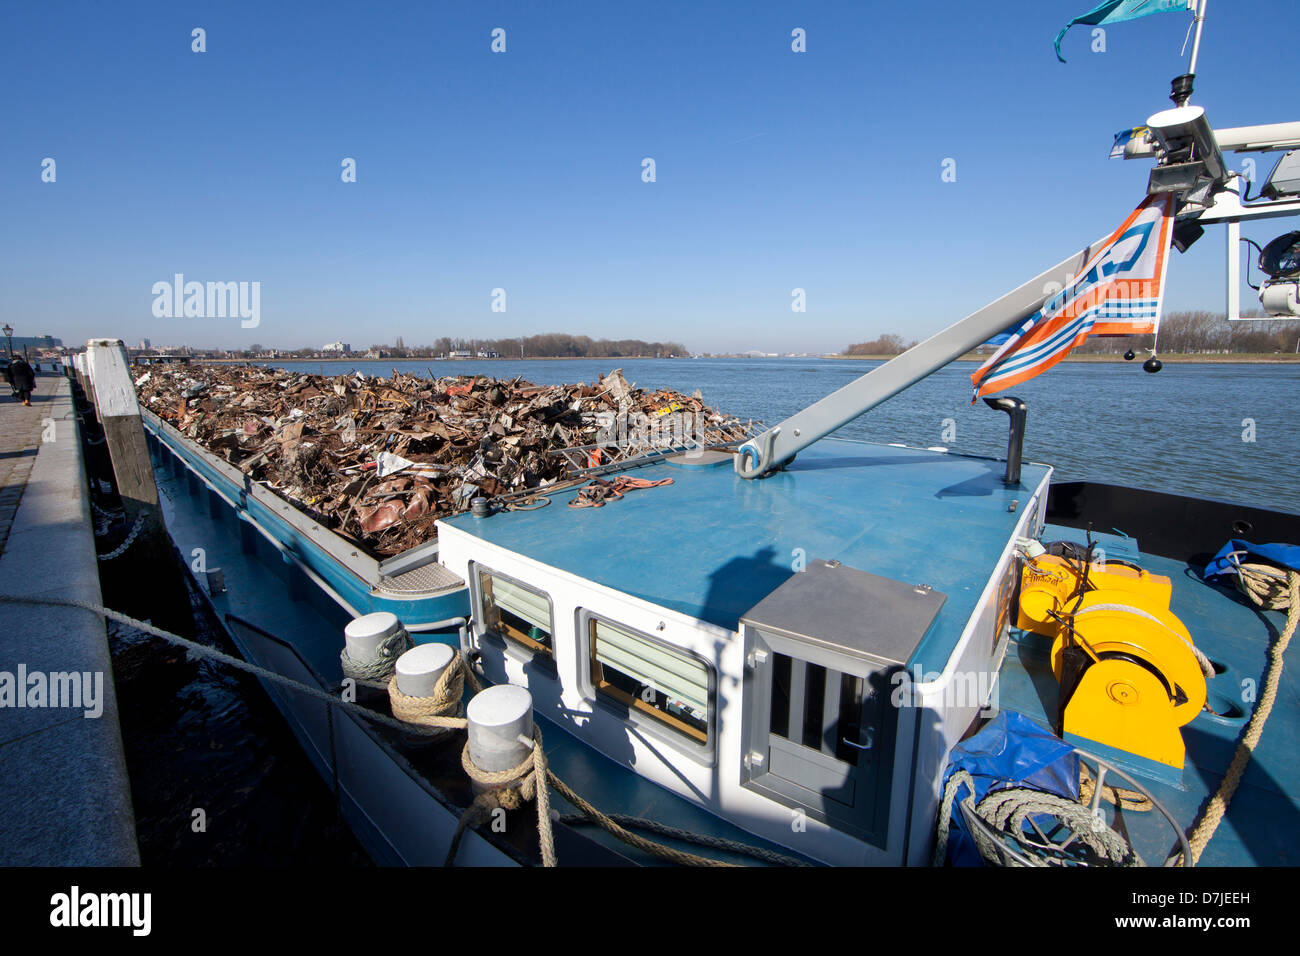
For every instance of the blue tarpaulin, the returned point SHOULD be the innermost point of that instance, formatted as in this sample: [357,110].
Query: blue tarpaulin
[1009,751]
[1221,565]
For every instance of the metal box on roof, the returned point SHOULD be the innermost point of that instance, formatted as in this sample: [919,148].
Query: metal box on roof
[824,652]
[840,610]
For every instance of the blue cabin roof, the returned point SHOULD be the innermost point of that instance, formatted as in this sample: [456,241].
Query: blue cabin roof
[712,544]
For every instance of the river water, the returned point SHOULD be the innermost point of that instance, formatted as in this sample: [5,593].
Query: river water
[1222,431]
[198,736]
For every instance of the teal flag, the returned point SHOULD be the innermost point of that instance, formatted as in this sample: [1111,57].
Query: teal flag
[1115,11]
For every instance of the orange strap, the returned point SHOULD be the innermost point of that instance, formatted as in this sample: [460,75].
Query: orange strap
[599,491]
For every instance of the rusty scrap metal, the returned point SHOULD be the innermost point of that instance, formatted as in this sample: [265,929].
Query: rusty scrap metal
[379,460]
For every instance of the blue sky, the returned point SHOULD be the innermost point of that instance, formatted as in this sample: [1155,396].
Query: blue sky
[522,170]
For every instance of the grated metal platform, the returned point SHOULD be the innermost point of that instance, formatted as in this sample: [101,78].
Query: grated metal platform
[428,578]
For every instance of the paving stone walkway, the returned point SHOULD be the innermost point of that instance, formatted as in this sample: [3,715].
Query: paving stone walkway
[20,437]
[65,799]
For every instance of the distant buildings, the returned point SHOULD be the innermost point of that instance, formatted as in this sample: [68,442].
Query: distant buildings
[34,342]
[340,347]
[461,354]
[488,353]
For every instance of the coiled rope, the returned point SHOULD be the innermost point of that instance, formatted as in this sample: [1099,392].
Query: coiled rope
[522,778]
[1124,799]
[1207,668]
[440,711]
[1267,586]
[1273,590]
[1270,589]
[1007,811]
[378,671]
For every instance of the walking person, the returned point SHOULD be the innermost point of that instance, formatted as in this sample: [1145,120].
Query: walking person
[21,379]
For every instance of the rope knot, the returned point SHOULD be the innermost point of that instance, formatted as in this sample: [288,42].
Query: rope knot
[510,789]
[441,711]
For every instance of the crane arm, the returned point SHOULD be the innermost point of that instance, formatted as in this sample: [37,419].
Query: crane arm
[776,446]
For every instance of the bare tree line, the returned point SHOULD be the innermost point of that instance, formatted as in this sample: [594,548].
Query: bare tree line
[1188,333]
[550,345]
[1194,332]
[885,345]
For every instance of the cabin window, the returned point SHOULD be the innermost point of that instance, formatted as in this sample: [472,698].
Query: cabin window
[516,612]
[665,684]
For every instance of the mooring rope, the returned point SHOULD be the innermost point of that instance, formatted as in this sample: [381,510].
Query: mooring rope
[212,654]
[509,789]
[686,836]
[377,671]
[521,779]
[441,710]
[1259,583]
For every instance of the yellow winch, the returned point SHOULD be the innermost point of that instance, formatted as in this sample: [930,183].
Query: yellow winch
[1128,672]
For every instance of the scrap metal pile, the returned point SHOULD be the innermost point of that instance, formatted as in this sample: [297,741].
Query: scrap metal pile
[381,459]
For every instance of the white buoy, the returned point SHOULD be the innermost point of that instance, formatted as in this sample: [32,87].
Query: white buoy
[500,727]
[364,634]
[419,669]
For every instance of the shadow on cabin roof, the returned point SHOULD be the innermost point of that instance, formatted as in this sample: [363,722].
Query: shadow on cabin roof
[712,545]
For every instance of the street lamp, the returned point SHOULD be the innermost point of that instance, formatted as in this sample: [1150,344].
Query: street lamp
[9,337]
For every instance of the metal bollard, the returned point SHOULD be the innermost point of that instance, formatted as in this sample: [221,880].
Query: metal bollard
[420,668]
[364,634]
[500,727]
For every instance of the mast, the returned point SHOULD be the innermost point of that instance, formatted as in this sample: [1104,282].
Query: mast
[1182,85]
[1196,43]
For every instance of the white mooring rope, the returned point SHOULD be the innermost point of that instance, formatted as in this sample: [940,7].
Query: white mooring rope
[522,778]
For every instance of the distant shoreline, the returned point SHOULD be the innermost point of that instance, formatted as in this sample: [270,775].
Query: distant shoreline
[1173,358]
[530,358]
[1244,358]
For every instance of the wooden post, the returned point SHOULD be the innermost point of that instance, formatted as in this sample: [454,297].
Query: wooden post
[151,556]
[118,411]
